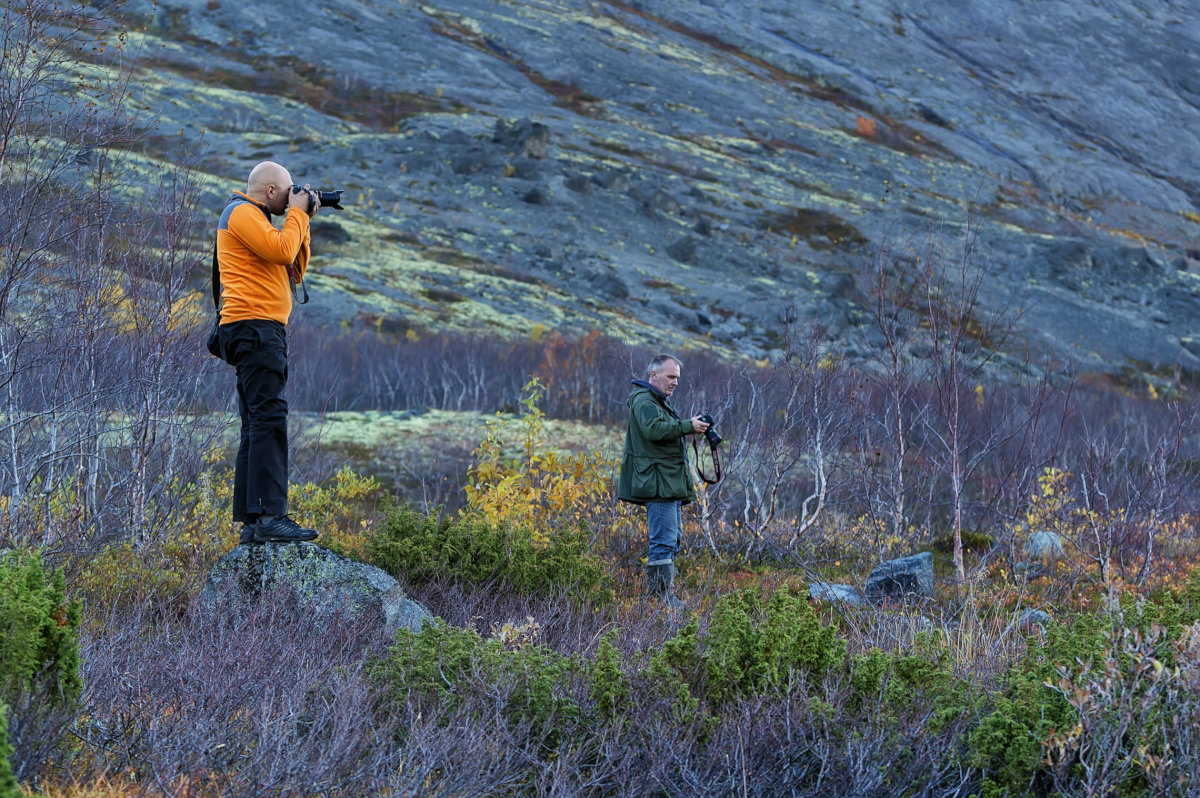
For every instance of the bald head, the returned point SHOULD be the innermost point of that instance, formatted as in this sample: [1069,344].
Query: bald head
[269,184]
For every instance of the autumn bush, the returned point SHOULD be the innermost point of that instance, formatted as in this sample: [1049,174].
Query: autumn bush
[39,663]
[1100,704]
[541,488]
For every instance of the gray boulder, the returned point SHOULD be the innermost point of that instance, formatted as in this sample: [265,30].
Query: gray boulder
[333,586]
[907,577]
[1029,570]
[684,250]
[828,591]
[527,138]
[1034,620]
[1044,546]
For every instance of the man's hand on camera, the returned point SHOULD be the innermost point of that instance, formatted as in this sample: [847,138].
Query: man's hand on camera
[698,425]
[306,200]
[298,199]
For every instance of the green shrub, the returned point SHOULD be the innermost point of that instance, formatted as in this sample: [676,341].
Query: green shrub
[471,549]
[8,782]
[441,663]
[608,686]
[1007,745]
[1033,715]
[756,647]
[676,672]
[922,678]
[752,648]
[39,646]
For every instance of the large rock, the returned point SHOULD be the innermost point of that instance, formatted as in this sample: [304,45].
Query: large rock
[1034,620]
[834,593]
[1044,545]
[907,577]
[332,585]
[529,139]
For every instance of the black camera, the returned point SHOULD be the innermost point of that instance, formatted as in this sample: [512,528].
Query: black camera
[710,434]
[329,199]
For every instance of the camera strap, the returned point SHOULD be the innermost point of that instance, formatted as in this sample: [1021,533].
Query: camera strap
[716,458]
[296,280]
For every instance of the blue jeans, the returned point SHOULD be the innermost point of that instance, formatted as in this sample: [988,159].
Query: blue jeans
[665,520]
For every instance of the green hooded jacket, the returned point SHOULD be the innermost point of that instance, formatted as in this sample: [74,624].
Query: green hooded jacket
[654,466]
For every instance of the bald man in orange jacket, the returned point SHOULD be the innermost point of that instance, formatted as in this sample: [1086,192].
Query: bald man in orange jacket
[260,267]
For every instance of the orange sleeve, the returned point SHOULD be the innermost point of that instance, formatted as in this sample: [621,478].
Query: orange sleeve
[257,260]
[274,246]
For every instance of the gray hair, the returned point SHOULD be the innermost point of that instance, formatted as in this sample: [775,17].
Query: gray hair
[658,362]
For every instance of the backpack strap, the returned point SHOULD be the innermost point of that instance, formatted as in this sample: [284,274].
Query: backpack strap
[216,281]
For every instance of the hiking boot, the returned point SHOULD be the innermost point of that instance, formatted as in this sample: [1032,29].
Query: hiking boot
[281,529]
[247,536]
[660,581]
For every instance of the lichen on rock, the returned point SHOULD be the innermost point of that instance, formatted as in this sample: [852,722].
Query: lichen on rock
[331,586]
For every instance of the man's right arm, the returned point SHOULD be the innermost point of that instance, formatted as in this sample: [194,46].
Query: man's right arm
[260,236]
[658,425]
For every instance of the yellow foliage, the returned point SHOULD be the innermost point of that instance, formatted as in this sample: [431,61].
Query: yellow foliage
[539,488]
[1052,508]
[169,567]
[514,635]
[1051,503]
[189,311]
[124,314]
[866,534]
[338,511]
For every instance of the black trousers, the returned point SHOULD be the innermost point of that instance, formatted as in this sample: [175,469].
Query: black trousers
[258,351]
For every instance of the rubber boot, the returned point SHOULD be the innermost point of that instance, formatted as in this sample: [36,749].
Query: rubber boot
[660,582]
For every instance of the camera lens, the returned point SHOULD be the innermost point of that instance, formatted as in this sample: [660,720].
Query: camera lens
[331,199]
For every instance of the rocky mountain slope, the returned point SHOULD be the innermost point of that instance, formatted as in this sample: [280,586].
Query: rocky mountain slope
[678,170]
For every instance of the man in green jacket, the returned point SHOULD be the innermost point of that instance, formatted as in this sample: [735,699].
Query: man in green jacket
[654,469]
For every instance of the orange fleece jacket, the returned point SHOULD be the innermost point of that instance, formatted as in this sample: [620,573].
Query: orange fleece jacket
[254,256]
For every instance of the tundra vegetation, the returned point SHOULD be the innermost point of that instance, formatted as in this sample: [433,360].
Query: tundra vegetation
[545,671]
